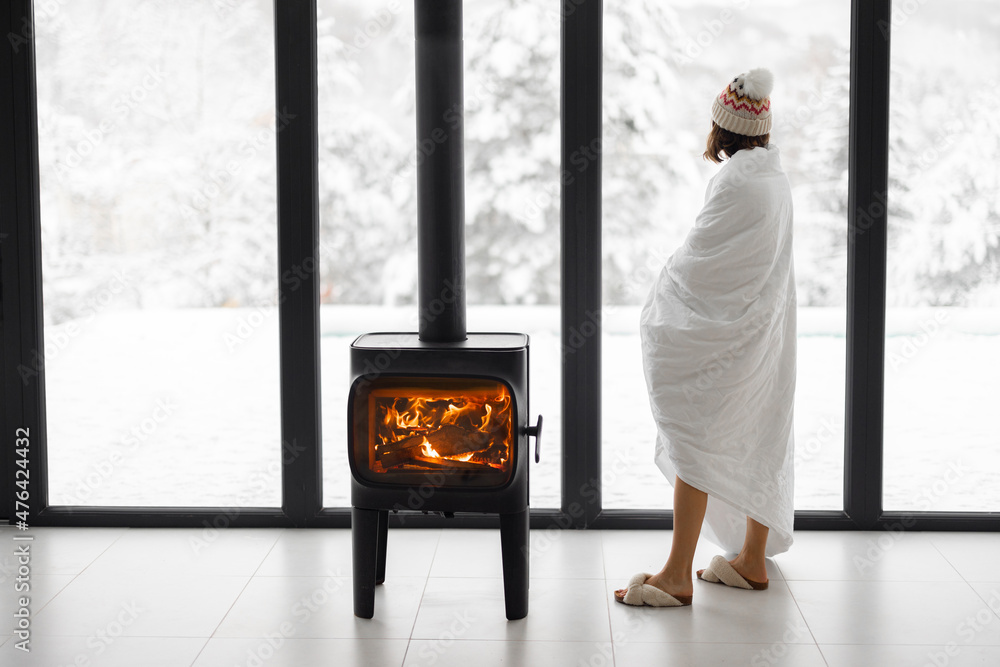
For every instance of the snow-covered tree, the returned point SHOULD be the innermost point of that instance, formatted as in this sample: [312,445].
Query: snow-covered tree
[813,127]
[157,147]
[944,246]
[513,146]
[157,154]
[367,205]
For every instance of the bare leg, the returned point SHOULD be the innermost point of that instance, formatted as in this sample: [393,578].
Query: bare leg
[750,561]
[689,512]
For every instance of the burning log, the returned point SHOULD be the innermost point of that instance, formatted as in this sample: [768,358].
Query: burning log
[495,455]
[447,441]
[450,440]
[449,464]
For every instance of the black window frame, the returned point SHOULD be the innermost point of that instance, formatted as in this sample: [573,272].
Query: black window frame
[22,402]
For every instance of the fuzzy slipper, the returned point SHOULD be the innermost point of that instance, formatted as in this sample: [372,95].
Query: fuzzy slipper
[720,571]
[641,594]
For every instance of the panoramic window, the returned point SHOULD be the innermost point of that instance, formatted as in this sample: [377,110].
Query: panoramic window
[156,135]
[663,65]
[159,245]
[368,158]
[942,448]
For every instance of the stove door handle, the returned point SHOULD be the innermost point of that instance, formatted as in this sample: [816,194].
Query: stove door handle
[536,432]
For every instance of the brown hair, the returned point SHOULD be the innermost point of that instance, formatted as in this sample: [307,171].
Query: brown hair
[721,140]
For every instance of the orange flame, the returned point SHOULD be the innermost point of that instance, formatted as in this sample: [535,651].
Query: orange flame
[428,451]
[468,426]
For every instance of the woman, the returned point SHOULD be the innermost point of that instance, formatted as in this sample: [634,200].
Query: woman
[718,343]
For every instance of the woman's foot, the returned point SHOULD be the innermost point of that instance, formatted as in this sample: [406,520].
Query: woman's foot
[755,570]
[678,587]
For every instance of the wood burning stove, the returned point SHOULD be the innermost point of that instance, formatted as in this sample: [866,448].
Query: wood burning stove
[438,420]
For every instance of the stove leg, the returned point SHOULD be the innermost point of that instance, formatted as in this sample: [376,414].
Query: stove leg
[364,538]
[514,549]
[383,534]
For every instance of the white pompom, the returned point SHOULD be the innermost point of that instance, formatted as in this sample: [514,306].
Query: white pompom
[755,84]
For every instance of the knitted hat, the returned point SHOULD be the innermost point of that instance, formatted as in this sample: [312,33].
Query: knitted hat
[744,106]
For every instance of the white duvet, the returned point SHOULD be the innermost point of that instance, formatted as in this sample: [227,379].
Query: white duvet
[718,345]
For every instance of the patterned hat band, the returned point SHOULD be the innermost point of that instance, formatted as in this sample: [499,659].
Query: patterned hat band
[744,106]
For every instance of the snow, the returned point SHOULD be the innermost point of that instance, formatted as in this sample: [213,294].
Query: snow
[215,439]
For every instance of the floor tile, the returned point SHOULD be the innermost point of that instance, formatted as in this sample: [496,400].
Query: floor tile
[468,553]
[989,591]
[892,612]
[308,552]
[137,604]
[104,652]
[277,650]
[285,597]
[566,554]
[718,614]
[447,652]
[629,551]
[558,610]
[322,607]
[204,551]
[867,655]
[410,552]
[974,555]
[43,587]
[60,550]
[864,556]
[778,654]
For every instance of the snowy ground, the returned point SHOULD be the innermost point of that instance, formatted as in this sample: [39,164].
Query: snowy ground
[181,407]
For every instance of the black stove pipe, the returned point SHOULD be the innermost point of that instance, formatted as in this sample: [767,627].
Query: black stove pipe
[440,170]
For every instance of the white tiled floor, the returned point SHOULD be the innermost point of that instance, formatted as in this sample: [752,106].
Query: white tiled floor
[282,598]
